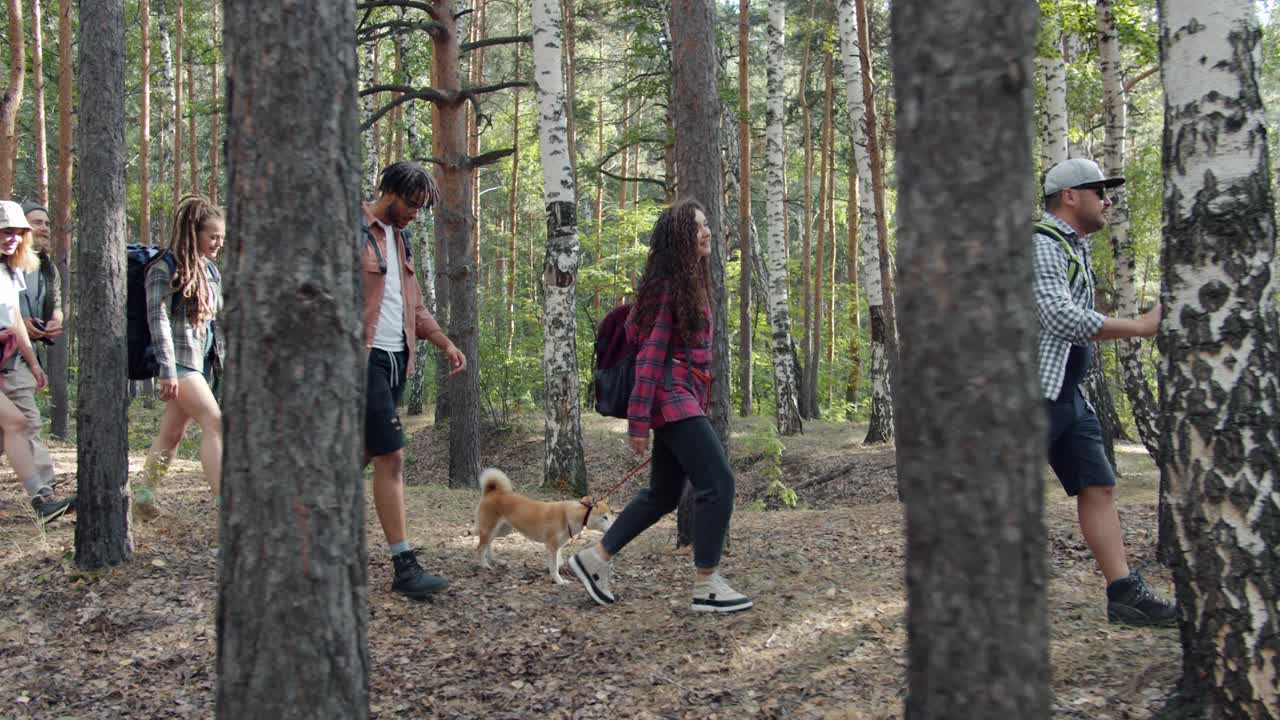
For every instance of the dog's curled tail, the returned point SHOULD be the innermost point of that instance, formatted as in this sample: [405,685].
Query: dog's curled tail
[494,480]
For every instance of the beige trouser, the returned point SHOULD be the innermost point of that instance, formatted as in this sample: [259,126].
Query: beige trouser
[19,385]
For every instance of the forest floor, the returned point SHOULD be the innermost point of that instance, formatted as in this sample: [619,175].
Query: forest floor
[826,638]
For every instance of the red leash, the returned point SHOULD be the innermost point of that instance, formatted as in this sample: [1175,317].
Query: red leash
[629,475]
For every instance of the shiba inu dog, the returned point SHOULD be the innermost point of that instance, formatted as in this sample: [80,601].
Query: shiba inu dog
[551,523]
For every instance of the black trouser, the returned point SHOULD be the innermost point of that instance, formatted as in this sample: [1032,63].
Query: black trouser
[687,448]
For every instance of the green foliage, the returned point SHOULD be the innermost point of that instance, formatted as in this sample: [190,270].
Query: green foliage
[766,445]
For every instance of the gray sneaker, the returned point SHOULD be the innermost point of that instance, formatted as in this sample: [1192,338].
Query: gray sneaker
[594,574]
[50,507]
[712,594]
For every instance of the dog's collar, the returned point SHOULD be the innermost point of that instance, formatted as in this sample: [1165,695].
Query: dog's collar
[585,518]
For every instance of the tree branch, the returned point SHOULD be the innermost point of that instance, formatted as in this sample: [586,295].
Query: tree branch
[620,178]
[470,93]
[628,146]
[408,4]
[488,42]
[491,157]
[462,13]
[1143,76]
[431,28]
[430,94]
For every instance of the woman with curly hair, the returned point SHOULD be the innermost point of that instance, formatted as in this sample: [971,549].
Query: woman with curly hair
[184,296]
[671,325]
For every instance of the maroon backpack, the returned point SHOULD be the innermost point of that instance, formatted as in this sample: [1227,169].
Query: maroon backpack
[614,373]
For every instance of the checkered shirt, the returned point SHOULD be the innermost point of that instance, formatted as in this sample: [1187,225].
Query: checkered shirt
[650,404]
[1065,309]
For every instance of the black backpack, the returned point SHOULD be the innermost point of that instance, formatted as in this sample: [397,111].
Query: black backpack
[142,356]
[614,371]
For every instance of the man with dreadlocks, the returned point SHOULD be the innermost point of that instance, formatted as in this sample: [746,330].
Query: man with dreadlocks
[394,315]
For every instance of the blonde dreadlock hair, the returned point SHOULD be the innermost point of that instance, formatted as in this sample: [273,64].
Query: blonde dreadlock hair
[190,280]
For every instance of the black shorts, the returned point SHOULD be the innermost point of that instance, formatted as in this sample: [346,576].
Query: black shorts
[1076,452]
[382,431]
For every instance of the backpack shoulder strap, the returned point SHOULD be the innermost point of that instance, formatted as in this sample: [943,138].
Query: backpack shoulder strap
[1074,265]
[368,238]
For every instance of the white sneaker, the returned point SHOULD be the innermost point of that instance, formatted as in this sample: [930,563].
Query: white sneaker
[594,574]
[712,594]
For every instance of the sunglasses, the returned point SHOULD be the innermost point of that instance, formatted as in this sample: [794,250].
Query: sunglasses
[1102,194]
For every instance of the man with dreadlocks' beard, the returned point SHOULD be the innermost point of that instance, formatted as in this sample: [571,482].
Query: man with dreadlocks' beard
[394,315]
[184,296]
[671,326]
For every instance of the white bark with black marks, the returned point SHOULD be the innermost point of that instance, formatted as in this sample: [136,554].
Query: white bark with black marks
[786,392]
[1219,349]
[563,466]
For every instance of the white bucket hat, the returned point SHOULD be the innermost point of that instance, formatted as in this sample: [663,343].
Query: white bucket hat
[11,215]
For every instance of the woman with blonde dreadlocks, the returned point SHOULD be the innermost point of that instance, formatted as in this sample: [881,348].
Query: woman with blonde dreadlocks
[184,296]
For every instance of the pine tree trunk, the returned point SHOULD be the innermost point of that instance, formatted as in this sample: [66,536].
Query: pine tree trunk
[513,195]
[569,12]
[192,168]
[806,243]
[215,146]
[37,97]
[977,626]
[784,368]
[564,467]
[59,400]
[144,124]
[178,146]
[1219,350]
[745,361]
[750,261]
[293,596]
[453,220]
[11,100]
[102,536]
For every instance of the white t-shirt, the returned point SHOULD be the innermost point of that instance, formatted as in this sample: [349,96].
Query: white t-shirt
[389,335]
[11,285]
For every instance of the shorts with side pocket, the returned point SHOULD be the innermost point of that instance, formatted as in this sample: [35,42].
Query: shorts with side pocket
[382,431]
[1076,451]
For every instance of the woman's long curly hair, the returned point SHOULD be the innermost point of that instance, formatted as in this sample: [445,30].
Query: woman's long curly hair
[674,265]
[190,280]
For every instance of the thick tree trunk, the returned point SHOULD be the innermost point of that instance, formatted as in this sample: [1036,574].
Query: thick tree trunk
[745,229]
[293,596]
[1219,350]
[11,100]
[977,627]
[102,439]
[59,396]
[37,98]
[785,380]
[453,219]
[881,428]
[564,467]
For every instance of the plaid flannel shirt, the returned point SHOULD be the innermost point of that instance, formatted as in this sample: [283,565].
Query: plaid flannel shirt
[651,405]
[175,339]
[1065,309]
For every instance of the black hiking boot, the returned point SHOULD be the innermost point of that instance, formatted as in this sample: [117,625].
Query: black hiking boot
[411,580]
[1131,602]
[50,507]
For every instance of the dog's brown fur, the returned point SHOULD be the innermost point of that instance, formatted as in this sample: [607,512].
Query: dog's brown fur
[551,523]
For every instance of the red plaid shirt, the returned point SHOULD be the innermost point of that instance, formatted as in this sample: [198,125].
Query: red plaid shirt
[651,405]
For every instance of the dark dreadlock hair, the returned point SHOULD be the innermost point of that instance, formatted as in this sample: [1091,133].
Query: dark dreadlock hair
[190,281]
[674,265]
[410,181]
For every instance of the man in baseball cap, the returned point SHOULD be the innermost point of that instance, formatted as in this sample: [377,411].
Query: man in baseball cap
[1076,201]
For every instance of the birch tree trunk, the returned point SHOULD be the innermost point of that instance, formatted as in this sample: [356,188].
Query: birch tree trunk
[59,399]
[513,200]
[1129,352]
[37,97]
[564,467]
[169,95]
[1219,350]
[11,100]
[784,369]
[293,596]
[102,536]
[1052,121]
[425,266]
[850,51]
[368,138]
[977,626]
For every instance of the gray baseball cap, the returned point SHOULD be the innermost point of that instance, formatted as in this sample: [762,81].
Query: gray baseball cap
[1077,172]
